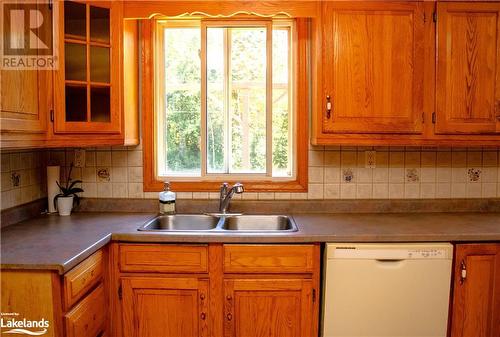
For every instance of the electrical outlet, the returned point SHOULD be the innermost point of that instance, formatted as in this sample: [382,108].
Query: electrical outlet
[370,159]
[79,157]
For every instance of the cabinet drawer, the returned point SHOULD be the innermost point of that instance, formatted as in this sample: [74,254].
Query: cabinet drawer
[79,280]
[88,317]
[268,258]
[164,258]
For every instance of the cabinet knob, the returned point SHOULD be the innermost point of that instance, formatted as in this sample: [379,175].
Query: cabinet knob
[229,316]
[229,298]
[202,297]
[328,107]
[203,316]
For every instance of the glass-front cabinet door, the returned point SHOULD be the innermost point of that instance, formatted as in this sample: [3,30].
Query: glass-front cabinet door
[88,80]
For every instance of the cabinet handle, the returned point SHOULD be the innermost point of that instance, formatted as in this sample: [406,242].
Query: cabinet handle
[203,316]
[229,316]
[328,107]
[463,272]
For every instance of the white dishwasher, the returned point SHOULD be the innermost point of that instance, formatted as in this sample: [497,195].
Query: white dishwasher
[386,290]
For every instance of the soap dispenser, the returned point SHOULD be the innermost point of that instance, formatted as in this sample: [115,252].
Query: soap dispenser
[167,200]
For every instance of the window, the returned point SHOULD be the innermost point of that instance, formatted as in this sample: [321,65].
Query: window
[224,100]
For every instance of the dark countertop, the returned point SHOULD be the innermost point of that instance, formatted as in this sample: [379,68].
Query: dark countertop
[51,242]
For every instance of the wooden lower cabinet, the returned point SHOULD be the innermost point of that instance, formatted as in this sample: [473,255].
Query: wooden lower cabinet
[268,307]
[242,293]
[476,293]
[164,307]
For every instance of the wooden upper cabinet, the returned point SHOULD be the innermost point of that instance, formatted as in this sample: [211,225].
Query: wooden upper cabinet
[372,67]
[468,68]
[167,307]
[268,307]
[87,84]
[26,93]
[476,298]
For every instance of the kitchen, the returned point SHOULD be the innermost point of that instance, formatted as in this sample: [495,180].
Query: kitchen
[250,168]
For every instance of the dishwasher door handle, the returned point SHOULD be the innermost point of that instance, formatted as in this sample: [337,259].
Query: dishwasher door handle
[389,260]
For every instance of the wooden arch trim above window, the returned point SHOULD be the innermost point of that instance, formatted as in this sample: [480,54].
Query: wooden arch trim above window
[299,184]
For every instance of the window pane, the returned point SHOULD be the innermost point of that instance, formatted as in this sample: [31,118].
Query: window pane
[181,119]
[248,100]
[236,100]
[217,107]
[281,104]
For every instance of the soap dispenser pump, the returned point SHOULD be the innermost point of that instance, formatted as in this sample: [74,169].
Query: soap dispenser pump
[167,200]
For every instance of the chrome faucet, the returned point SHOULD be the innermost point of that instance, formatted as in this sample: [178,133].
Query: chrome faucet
[226,194]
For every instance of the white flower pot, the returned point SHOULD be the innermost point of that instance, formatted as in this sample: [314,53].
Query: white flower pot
[65,205]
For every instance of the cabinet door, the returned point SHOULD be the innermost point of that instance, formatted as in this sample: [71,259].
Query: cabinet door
[468,68]
[87,84]
[25,94]
[268,307]
[476,298]
[164,307]
[372,67]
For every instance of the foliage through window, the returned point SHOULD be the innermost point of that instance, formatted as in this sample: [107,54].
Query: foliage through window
[224,99]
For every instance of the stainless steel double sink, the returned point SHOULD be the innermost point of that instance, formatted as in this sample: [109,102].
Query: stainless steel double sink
[220,223]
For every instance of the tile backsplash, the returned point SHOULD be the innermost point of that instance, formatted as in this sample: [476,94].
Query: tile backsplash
[23,177]
[334,173]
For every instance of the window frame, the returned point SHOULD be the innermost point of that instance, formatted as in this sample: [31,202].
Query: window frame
[211,182]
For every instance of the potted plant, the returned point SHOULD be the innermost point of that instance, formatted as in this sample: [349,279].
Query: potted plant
[65,200]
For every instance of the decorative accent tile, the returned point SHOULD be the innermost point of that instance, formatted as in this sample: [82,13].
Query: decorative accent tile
[347,175]
[103,174]
[412,175]
[15,179]
[474,175]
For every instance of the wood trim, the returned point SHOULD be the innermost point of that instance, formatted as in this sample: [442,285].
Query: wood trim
[147,9]
[152,184]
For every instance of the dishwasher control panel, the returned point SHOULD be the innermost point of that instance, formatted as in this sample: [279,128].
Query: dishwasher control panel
[390,252]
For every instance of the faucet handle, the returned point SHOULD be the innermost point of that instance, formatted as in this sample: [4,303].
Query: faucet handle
[238,188]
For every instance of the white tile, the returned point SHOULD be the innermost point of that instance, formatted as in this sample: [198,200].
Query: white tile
[201,195]
[119,174]
[396,191]
[381,175]
[348,159]
[89,174]
[459,174]
[5,162]
[443,174]
[120,190]
[89,190]
[364,191]
[428,190]
[119,158]
[348,191]
[134,174]
[135,190]
[103,158]
[90,158]
[365,175]
[316,158]
[459,159]
[135,158]
[396,175]
[282,196]
[298,196]
[381,191]
[315,191]
[396,159]
[428,174]
[332,175]
[489,174]
[443,190]
[266,196]
[490,159]
[315,174]
[104,190]
[412,191]
[247,196]
[181,195]
[474,158]
[332,158]
[332,191]
[473,190]
[458,190]
[489,190]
